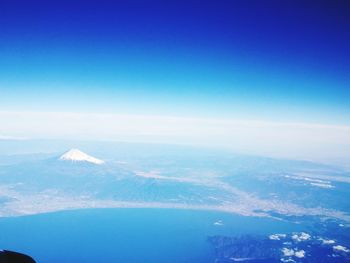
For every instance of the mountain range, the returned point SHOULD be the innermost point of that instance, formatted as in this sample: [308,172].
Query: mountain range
[246,185]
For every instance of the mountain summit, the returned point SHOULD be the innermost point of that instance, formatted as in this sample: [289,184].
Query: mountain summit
[76,155]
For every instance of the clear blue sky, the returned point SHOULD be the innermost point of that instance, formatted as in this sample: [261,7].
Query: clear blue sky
[268,60]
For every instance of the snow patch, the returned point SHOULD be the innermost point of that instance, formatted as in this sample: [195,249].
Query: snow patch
[76,155]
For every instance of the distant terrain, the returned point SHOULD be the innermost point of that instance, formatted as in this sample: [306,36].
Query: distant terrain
[246,185]
[310,197]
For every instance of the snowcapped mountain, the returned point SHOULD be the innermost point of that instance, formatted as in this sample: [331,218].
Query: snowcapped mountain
[76,155]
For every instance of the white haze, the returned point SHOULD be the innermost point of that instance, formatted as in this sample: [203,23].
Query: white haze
[318,142]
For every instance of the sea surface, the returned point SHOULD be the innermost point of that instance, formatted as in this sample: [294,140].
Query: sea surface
[129,235]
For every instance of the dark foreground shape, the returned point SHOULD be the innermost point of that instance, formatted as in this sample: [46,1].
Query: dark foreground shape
[14,257]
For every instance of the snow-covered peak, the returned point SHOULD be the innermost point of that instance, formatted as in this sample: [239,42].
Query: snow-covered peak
[76,155]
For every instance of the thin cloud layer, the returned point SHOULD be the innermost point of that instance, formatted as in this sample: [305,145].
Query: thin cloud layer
[279,139]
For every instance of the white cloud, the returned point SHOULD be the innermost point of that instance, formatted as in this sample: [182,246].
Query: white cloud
[341,248]
[313,182]
[327,186]
[301,237]
[290,252]
[287,260]
[287,252]
[277,236]
[6,137]
[299,254]
[327,241]
[218,223]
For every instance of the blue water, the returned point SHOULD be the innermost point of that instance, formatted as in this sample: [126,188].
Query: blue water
[127,235]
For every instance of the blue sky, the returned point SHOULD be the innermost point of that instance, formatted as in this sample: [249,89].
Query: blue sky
[247,59]
[279,61]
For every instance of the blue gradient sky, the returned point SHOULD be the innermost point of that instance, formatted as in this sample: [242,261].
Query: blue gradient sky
[261,77]
[270,60]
